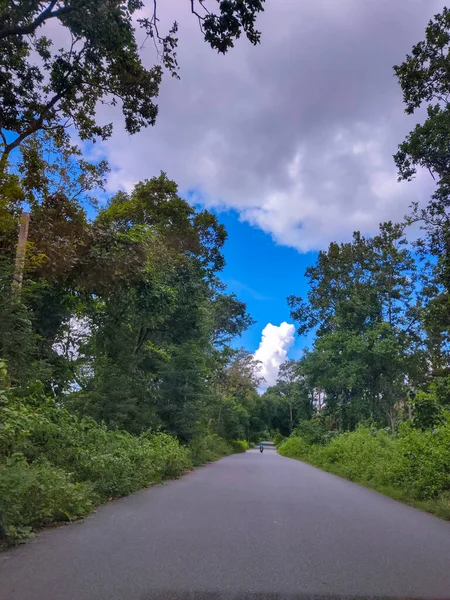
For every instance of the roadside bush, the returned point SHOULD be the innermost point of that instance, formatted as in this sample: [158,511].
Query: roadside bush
[36,495]
[313,431]
[208,449]
[413,466]
[362,455]
[427,412]
[423,464]
[116,462]
[278,438]
[55,466]
[171,459]
[239,446]
[295,447]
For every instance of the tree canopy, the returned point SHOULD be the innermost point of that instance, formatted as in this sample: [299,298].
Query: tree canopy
[46,86]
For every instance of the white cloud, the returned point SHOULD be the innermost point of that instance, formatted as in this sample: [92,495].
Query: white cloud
[273,349]
[296,134]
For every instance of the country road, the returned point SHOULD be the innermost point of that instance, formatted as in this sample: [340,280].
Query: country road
[249,526]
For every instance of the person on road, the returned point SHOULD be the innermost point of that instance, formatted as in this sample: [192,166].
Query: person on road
[261,447]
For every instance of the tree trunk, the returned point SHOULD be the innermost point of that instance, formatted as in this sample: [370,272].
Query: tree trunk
[20,253]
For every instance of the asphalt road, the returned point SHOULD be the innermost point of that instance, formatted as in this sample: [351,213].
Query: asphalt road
[249,526]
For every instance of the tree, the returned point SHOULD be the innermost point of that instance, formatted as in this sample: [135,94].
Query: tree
[235,378]
[295,398]
[342,291]
[47,89]
[363,303]
[229,317]
[147,283]
[425,80]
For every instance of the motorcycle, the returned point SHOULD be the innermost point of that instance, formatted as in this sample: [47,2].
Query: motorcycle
[261,449]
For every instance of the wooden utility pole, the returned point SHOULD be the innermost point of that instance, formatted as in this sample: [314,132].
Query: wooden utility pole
[20,253]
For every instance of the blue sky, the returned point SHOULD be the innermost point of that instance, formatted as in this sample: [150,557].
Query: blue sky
[289,141]
[263,274]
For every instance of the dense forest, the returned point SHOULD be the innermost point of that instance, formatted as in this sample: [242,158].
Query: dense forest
[116,363]
[119,364]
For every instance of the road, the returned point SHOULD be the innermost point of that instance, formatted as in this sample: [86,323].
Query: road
[249,526]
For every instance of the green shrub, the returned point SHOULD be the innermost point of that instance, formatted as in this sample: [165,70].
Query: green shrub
[239,446]
[413,466]
[313,431]
[294,447]
[427,412]
[278,439]
[55,466]
[208,449]
[362,455]
[423,464]
[35,495]
[212,447]
[102,464]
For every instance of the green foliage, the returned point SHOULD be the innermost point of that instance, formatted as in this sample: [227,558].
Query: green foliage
[278,438]
[208,449]
[239,446]
[313,431]
[124,319]
[425,82]
[33,495]
[413,465]
[114,461]
[427,413]
[104,59]
[294,447]
[363,304]
[442,390]
[54,465]
[123,322]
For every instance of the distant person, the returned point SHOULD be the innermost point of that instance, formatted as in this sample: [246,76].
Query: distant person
[261,447]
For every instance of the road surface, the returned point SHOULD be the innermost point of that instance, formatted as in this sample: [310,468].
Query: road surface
[249,526]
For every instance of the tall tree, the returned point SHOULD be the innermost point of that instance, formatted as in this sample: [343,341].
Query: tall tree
[424,77]
[362,303]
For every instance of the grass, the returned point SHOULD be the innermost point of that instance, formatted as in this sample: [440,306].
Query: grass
[413,467]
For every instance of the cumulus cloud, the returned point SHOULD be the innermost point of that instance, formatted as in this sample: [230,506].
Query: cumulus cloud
[273,349]
[296,134]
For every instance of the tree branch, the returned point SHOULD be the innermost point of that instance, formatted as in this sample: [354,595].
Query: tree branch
[35,126]
[143,333]
[199,17]
[44,16]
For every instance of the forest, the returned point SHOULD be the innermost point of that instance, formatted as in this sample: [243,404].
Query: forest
[118,367]
[120,363]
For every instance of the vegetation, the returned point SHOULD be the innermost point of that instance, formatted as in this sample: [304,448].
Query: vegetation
[56,466]
[411,466]
[377,378]
[115,358]
[44,88]
[118,365]
[117,373]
